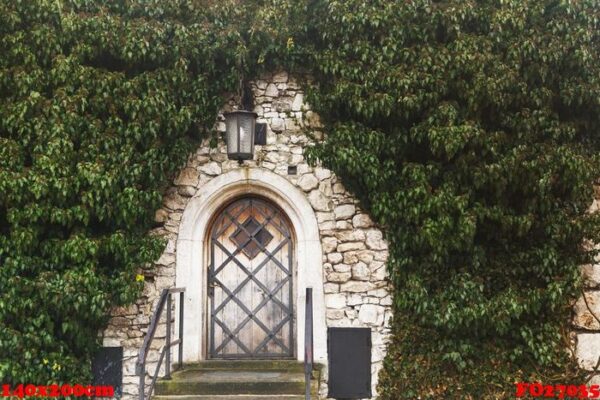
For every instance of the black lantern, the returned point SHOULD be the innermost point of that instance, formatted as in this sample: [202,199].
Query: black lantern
[240,129]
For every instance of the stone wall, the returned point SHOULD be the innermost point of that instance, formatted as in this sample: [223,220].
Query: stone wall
[357,292]
[586,320]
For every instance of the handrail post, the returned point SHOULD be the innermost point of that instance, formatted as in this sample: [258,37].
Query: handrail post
[166,298]
[142,373]
[180,348]
[308,342]
[168,362]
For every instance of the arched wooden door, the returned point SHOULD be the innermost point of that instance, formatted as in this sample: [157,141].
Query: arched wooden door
[250,282]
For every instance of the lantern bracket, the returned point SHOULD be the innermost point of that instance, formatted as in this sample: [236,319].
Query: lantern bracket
[260,135]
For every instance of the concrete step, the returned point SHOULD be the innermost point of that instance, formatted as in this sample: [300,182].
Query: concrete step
[247,365]
[237,380]
[218,379]
[232,397]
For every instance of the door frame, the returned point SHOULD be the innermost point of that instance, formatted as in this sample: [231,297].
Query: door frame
[190,254]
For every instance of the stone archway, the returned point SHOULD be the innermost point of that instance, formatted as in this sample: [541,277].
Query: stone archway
[191,253]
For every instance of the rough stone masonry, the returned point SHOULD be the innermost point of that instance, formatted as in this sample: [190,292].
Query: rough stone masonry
[586,314]
[357,291]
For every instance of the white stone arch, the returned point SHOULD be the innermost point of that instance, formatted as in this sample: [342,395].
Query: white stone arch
[190,261]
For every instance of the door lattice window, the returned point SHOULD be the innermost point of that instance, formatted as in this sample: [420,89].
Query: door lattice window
[261,237]
[250,282]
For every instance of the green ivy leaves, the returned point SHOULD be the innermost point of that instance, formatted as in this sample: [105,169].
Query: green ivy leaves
[469,131]
[100,104]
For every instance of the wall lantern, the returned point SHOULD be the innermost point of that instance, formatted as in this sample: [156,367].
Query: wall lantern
[242,132]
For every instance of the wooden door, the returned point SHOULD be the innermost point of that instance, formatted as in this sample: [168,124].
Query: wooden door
[250,282]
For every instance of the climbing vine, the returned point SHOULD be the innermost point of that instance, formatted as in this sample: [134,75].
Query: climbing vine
[100,103]
[468,130]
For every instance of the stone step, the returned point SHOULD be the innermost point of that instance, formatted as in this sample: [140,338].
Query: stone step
[233,397]
[247,365]
[232,382]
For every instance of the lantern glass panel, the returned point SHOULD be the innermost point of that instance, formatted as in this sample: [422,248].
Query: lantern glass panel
[246,125]
[231,127]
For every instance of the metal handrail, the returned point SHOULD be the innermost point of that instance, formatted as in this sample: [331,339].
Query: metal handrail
[140,368]
[308,342]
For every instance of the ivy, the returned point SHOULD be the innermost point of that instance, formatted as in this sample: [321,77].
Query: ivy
[100,104]
[467,129]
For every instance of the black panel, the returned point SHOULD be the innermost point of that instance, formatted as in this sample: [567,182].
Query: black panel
[349,363]
[260,134]
[107,368]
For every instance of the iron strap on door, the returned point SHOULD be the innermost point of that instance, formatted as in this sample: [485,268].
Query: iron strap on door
[250,282]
